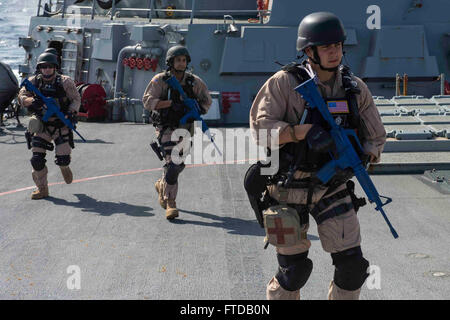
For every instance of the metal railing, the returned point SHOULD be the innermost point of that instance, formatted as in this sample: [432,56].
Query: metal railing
[114,10]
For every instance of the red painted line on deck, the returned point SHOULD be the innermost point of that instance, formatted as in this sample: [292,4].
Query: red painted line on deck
[123,174]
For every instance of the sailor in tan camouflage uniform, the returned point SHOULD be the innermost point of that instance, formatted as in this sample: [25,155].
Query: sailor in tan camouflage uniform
[278,106]
[167,109]
[65,93]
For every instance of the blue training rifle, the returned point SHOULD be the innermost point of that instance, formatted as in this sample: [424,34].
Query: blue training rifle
[52,107]
[346,154]
[194,109]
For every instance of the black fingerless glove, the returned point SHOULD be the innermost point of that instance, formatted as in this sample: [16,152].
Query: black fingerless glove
[319,140]
[36,106]
[365,159]
[177,107]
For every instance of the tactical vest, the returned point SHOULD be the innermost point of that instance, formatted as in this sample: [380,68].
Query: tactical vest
[55,90]
[170,117]
[346,115]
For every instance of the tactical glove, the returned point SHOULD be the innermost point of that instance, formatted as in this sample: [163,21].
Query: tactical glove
[202,111]
[36,106]
[319,140]
[177,107]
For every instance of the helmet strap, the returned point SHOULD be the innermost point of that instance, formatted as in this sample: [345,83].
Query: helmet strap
[176,70]
[316,60]
[172,67]
[48,77]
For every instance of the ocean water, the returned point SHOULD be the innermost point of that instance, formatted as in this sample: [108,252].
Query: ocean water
[14,18]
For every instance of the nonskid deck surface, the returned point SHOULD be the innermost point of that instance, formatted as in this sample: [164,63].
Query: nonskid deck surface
[108,223]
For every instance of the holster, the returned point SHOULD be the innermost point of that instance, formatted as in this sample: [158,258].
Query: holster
[255,186]
[357,202]
[28,136]
[157,150]
[71,142]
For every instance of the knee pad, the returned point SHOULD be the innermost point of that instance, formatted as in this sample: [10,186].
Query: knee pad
[62,160]
[350,269]
[171,172]
[294,270]
[38,161]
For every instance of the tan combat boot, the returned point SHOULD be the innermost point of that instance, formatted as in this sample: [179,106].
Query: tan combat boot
[40,193]
[171,210]
[162,202]
[67,174]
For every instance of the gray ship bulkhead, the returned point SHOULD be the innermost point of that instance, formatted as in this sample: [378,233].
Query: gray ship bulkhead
[235,57]
[108,222]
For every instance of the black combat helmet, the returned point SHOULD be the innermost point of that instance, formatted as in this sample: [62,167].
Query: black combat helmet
[47,57]
[175,52]
[320,28]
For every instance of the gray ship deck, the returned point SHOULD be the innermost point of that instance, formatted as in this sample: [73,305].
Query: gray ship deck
[109,223]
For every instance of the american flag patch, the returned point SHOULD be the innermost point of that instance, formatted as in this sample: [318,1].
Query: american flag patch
[338,106]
